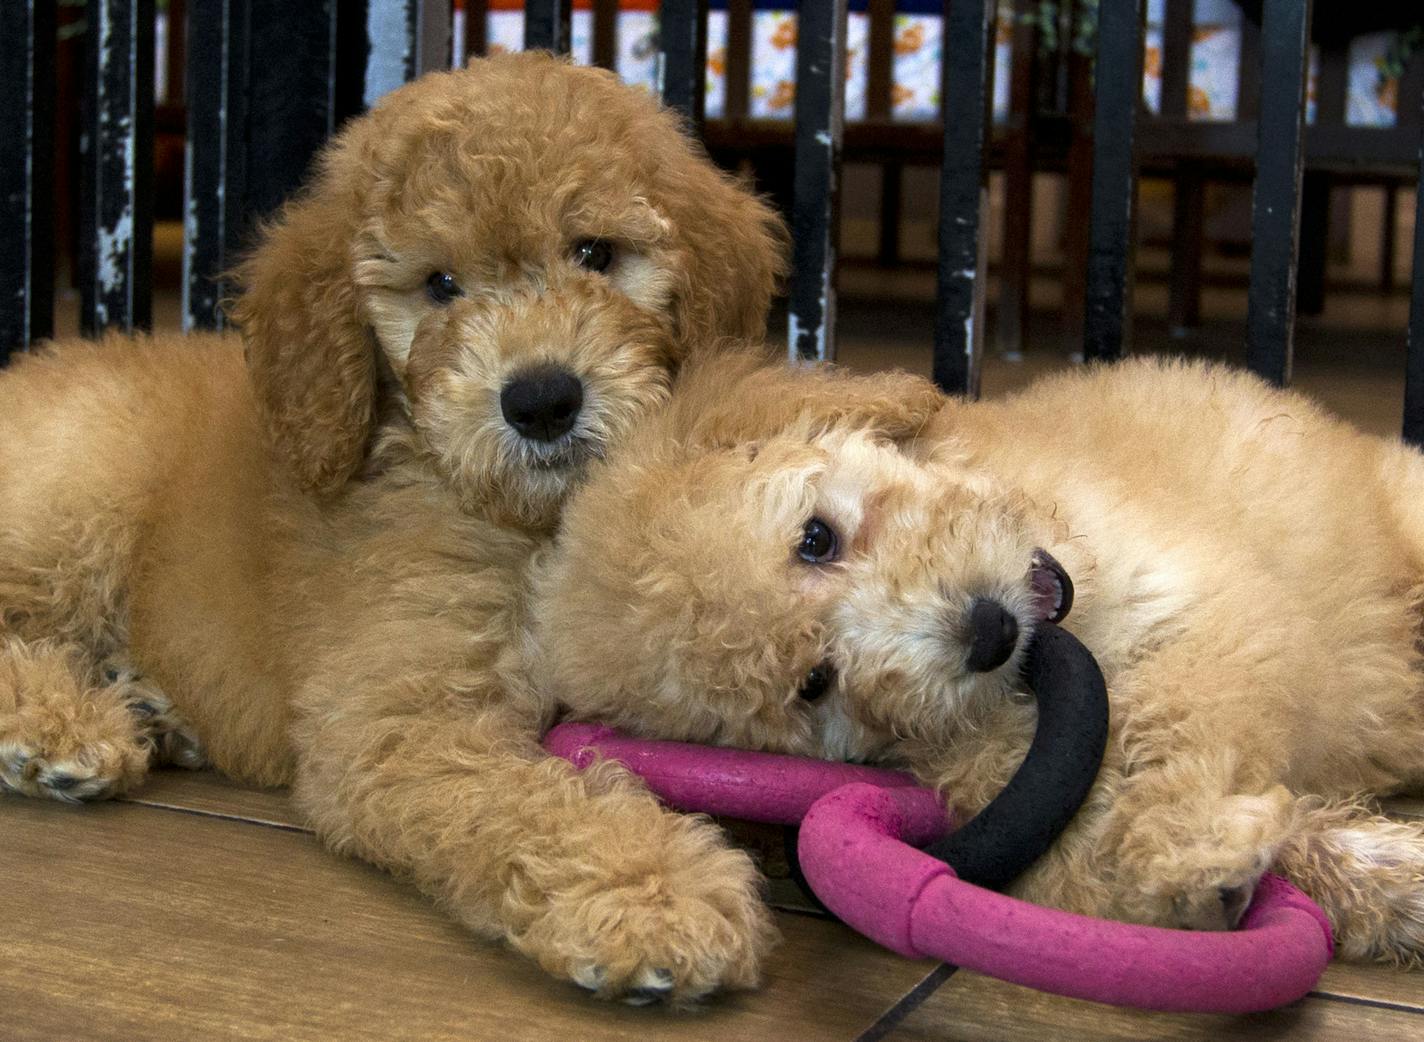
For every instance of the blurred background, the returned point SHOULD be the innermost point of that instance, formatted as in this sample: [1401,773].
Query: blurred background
[1196,144]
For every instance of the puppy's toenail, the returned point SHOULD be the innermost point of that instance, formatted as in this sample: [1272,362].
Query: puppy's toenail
[60,782]
[145,709]
[590,978]
[645,996]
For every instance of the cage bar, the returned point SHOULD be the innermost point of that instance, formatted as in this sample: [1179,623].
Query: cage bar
[963,196]
[27,89]
[548,25]
[1107,322]
[1275,204]
[116,168]
[683,37]
[213,154]
[815,212]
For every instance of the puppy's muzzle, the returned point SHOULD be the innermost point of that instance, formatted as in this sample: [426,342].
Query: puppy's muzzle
[542,404]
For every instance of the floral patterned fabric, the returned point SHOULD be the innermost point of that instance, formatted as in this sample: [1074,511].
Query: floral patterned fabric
[1212,90]
[1371,100]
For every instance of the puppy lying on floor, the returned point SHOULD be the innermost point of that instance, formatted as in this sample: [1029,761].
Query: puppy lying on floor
[317,563]
[756,569]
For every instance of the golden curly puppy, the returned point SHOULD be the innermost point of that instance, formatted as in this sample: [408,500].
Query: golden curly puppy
[763,566]
[309,569]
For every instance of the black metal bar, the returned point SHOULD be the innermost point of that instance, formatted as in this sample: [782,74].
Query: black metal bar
[215,163]
[262,82]
[405,39]
[291,97]
[1107,322]
[815,214]
[27,89]
[116,197]
[1275,211]
[963,196]
[683,36]
[1414,339]
[548,25]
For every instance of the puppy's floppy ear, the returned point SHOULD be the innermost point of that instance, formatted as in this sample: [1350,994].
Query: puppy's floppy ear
[731,397]
[734,246]
[310,357]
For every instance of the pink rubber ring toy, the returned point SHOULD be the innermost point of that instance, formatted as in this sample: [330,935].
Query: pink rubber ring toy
[859,830]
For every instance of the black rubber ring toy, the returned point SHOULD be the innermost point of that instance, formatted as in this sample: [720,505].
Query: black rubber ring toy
[994,847]
[1022,822]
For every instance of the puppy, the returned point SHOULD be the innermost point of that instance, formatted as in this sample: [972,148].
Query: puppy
[309,570]
[773,564]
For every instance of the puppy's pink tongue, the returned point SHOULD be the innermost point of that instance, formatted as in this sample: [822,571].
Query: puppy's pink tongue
[1052,588]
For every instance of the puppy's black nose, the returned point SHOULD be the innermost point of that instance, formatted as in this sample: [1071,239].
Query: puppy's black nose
[993,633]
[542,403]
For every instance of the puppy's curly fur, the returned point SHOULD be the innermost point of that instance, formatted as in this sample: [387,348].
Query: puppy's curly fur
[313,564]
[1248,573]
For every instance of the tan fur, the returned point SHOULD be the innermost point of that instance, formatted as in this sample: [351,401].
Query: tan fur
[317,571]
[1248,573]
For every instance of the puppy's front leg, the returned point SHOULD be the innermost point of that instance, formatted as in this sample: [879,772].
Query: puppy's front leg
[1186,847]
[583,872]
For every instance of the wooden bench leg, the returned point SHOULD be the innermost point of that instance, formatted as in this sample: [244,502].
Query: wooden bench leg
[1188,232]
[1387,238]
[1314,244]
[1015,267]
[891,192]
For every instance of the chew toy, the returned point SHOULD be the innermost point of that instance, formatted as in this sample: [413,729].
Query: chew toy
[860,827]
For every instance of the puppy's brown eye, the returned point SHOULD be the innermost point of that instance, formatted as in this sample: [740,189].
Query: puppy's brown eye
[594,254]
[442,287]
[817,682]
[818,542]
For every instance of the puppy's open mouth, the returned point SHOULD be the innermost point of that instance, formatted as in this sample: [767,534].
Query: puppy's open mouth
[1051,586]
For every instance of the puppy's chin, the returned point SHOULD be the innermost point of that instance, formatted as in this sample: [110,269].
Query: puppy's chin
[526,488]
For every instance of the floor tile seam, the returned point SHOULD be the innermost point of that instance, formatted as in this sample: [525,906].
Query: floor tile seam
[1358,1000]
[907,1004]
[201,812]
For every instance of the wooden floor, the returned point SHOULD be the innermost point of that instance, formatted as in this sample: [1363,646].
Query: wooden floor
[198,909]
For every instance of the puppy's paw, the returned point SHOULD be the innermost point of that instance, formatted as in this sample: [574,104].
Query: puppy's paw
[66,743]
[174,741]
[1199,873]
[671,928]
